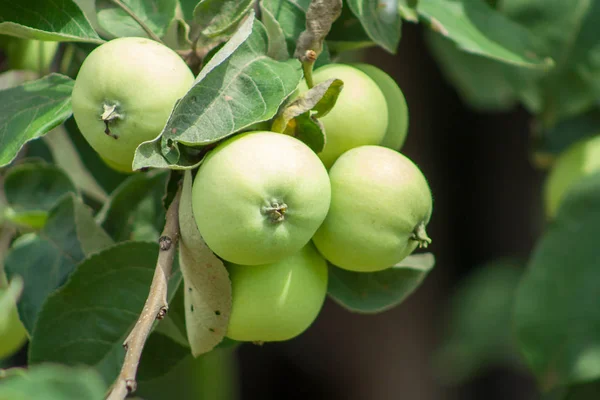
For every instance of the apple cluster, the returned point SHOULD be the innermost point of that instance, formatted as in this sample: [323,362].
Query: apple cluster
[275,211]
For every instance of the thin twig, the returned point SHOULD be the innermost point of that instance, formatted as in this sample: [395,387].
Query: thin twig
[155,308]
[137,19]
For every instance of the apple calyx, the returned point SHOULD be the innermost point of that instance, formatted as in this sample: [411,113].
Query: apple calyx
[420,235]
[275,211]
[110,114]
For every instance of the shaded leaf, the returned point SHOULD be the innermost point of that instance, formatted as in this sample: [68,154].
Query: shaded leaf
[117,214]
[556,318]
[30,110]
[207,288]
[238,87]
[46,260]
[87,320]
[52,382]
[347,33]
[479,327]
[478,29]
[160,355]
[217,17]
[277,45]
[66,156]
[156,14]
[375,292]
[60,20]
[380,20]
[32,189]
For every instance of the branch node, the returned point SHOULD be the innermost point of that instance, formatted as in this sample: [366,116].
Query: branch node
[162,312]
[131,385]
[165,243]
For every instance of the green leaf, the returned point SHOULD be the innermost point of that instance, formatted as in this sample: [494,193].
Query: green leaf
[156,14]
[375,292]
[13,77]
[567,32]
[52,382]
[478,29]
[12,331]
[478,329]
[218,17]
[66,156]
[108,178]
[107,291]
[238,87]
[32,189]
[380,20]
[116,217]
[556,318]
[58,20]
[407,10]
[277,45]
[46,260]
[161,354]
[207,288]
[469,73]
[347,33]
[30,110]
[291,15]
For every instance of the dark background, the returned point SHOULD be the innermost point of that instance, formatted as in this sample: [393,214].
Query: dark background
[486,205]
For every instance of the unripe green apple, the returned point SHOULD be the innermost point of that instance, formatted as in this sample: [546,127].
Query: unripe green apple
[30,55]
[278,301]
[580,159]
[124,93]
[259,197]
[397,129]
[360,115]
[380,205]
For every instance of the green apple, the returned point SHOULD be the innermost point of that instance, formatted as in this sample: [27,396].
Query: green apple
[259,197]
[380,205]
[30,55]
[124,93]
[360,115]
[278,301]
[397,129]
[580,159]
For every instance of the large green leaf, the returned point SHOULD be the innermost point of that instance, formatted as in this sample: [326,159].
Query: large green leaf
[567,32]
[374,292]
[478,329]
[86,321]
[291,15]
[207,288]
[117,216]
[156,14]
[30,110]
[478,29]
[46,260]
[380,20]
[52,382]
[32,189]
[238,87]
[46,20]
[469,73]
[556,314]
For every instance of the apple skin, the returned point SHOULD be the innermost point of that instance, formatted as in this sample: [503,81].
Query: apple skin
[360,115]
[142,79]
[398,119]
[278,301]
[380,205]
[241,184]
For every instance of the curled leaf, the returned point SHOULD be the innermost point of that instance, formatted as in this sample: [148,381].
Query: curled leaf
[320,16]
[207,288]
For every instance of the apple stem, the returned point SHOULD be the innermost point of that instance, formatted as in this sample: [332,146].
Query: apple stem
[276,211]
[420,235]
[110,114]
